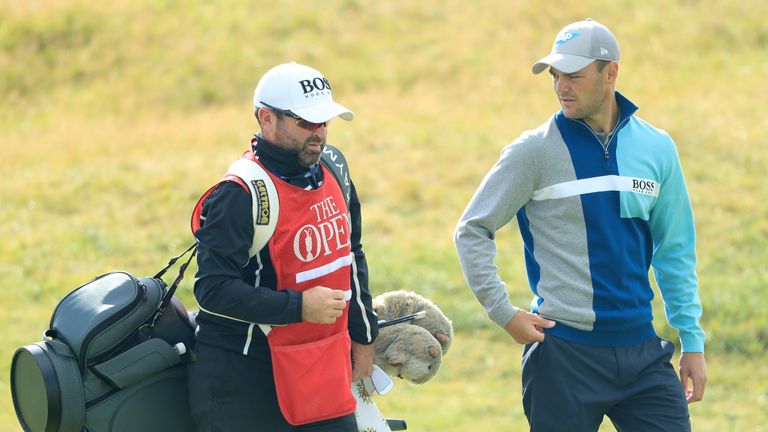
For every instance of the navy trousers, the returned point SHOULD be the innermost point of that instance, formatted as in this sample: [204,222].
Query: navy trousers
[229,392]
[570,387]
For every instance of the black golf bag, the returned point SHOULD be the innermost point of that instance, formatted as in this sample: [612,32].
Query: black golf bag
[112,360]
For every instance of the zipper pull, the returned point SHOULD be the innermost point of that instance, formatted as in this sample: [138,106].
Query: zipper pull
[606,154]
[142,292]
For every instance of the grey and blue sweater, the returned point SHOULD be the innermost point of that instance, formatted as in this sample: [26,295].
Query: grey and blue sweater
[594,218]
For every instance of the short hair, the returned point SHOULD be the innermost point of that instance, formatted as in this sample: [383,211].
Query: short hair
[601,64]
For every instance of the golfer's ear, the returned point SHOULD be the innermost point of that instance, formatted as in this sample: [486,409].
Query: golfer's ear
[613,71]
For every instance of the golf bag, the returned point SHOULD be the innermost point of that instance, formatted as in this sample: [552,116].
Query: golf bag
[112,360]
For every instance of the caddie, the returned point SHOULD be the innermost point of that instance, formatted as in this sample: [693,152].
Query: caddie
[285,322]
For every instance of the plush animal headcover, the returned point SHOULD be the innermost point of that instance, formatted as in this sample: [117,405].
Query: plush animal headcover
[395,304]
[412,350]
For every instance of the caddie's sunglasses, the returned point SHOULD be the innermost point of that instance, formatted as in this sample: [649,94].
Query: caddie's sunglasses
[300,122]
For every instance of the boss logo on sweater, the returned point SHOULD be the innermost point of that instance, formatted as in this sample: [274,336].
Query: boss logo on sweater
[646,187]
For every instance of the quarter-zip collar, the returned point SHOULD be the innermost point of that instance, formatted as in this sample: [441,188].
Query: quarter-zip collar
[626,110]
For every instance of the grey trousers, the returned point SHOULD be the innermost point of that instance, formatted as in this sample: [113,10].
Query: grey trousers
[570,387]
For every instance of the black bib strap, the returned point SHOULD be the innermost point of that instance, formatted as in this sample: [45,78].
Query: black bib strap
[334,160]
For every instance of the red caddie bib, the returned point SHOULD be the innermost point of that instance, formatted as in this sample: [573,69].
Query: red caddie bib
[311,247]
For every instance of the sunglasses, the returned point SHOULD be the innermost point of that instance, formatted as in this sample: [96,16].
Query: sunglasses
[300,122]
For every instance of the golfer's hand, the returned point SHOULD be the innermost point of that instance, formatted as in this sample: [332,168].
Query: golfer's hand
[322,305]
[693,367]
[526,327]
[362,360]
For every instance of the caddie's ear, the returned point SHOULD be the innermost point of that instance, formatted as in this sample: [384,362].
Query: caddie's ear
[433,352]
[267,122]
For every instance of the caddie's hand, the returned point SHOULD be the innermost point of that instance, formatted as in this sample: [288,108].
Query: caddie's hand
[322,305]
[362,360]
[526,327]
[693,367]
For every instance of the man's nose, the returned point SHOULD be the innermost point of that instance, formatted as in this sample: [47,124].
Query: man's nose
[322,130]
[561,85]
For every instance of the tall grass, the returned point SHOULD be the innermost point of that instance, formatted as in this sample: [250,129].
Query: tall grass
[115,116]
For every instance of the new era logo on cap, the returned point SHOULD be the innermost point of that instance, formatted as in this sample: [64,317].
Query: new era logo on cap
[579,44]
[301,90]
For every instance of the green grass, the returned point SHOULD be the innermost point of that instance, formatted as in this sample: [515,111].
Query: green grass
[116,116]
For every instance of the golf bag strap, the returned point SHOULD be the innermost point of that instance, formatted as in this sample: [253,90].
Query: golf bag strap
[173,260]
[172,289]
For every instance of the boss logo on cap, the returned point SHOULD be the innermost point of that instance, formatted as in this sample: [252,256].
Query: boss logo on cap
[318,84]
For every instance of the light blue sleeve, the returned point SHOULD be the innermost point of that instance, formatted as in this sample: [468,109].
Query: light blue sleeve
[674,253]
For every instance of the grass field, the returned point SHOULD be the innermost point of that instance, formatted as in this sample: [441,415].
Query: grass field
[115,116]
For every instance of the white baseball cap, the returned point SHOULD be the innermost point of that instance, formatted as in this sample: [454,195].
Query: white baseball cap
[579,44]
[300,89]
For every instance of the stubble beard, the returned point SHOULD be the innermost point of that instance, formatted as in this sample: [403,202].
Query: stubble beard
[306,155]
[586,107]
[310,155]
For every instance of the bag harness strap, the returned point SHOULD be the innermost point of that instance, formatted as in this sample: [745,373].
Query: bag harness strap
[172,290]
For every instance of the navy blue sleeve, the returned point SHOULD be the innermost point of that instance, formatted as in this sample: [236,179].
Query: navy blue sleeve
[363,326]
[224,241]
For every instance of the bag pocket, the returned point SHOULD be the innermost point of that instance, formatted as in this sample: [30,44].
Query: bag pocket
[159,403]
[313,379]
[138,363]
